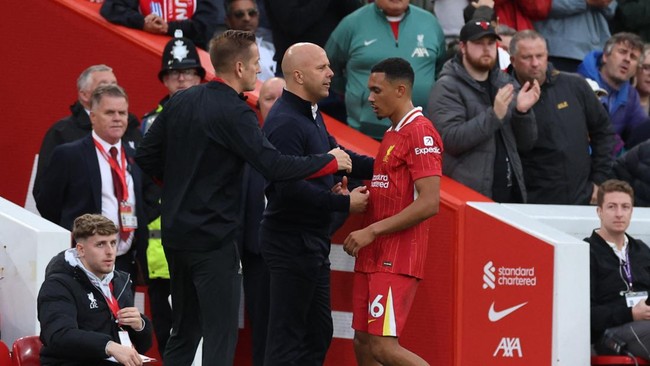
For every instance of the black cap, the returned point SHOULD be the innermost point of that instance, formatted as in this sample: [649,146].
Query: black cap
[180,54]
[474,30]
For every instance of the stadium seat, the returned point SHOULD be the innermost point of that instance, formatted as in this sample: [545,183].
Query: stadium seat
[5,356]
[616,360]
[26,351]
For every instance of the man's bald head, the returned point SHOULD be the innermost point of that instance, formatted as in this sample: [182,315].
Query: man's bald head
[297,55]
[270,91]
[307,71]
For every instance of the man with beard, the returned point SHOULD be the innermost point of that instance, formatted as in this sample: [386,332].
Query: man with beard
[483,118]
[612,69]
[574,136]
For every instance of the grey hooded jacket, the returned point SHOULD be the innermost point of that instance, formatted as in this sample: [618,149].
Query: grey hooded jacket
[461,110]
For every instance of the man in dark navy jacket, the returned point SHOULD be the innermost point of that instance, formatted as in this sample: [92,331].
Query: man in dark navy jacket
[198,147]
[295,232]
[79,179]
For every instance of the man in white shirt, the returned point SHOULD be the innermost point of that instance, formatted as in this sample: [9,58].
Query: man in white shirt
[97,174]
[620,279]
[244,15]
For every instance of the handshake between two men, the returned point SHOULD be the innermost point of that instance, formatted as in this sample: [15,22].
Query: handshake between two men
[359,195]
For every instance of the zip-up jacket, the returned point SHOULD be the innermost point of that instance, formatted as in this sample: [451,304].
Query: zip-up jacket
[574,143]
[76,321]
[608,307]
[363,39]
[461,110]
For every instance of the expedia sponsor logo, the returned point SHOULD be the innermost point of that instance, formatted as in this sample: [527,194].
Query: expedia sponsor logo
[380,181]
[507,276]
[427,150]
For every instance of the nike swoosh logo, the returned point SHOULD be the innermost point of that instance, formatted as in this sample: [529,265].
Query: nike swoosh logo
[371,320]
[368,43]
[495,316]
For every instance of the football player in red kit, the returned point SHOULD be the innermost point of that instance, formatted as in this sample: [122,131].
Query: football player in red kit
[392,246]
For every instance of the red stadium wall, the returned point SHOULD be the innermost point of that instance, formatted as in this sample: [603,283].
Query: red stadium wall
[52,41]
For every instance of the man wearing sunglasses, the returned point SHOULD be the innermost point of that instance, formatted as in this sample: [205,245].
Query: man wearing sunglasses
[245,16]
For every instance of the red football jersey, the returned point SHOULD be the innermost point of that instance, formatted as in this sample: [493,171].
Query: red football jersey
[408,152]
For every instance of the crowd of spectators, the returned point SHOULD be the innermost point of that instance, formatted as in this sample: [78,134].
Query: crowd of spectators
[503,81]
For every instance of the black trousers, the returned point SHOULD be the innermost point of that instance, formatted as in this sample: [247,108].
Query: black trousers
[256,299]
[161,312]
[205,288]
[300,322]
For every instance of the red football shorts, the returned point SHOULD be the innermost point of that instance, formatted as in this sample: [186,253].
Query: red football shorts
[381,302]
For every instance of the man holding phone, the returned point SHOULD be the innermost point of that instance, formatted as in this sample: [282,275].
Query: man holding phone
[620,275]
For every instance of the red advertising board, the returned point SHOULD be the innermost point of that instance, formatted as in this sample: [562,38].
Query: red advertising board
[506,297]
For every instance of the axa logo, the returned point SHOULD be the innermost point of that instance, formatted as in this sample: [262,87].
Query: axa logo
[488,275]
[508,346]
[420,50]
[495,315]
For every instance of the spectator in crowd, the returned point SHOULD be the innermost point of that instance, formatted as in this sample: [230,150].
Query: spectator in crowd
[97,174]
[450,17]
[612,69]
[198,22]
[482,117]
[518,14]
[295,232]
[506,34]
[634,168]
[377,31]
[424,4]
[575,28]
[619,279]
[270,91]
[201,201]
[632,16]
[85,305]
[313,21]
[514,14]
[572,154]
[244,15]
[392,246]
[77,125]
[483,10]
[643,80]
[181,68]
